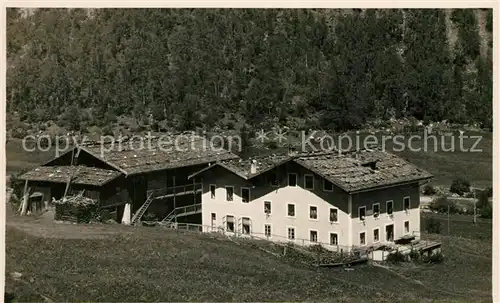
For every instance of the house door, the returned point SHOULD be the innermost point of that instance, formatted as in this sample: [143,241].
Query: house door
[389,233]
[213,220]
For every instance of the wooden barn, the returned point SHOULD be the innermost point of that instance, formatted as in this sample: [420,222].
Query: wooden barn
[143,176]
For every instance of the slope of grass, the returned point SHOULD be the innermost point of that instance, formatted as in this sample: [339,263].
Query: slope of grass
[118,263]
[19,158]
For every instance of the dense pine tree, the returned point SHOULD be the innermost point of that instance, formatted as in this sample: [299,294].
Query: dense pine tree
[193,67]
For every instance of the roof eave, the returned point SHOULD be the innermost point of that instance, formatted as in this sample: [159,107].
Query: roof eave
[220,165]
[64,182]
[133,173]
[104,160]
[357,191]
[271,167]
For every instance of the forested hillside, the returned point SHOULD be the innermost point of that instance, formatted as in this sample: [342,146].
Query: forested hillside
[330,69]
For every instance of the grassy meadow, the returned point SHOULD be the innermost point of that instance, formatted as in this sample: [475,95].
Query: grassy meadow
[114,263]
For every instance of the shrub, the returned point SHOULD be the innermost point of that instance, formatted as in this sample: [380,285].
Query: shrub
[396,257]
[104,215]
[429,190]
[488,192]
[230,125]
[19,133]
[271,144]
[486,211]
[460,186]
[414,255]
[433,226]
[482,200]
[435,258]
[16,184]
[441,204]
[469,195]
[107,131]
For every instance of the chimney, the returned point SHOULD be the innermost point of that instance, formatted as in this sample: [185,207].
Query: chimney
[253,167]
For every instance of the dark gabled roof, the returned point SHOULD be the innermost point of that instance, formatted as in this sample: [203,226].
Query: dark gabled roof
[351,171]
[60,174]
[242,167]
[167,152]
[366,169]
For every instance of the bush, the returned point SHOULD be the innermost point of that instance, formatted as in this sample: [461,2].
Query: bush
[441,203]
[105,215]
[19,133]
[482,200]
[433,226]
[230,125]
[414,255]
[396,257]
[486,211]
[271,144]
[469,195]
[460,186]
[429,190]
[435,258]
[488,192]
[16,184]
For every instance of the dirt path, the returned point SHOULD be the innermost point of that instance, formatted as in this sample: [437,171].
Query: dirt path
[44,226]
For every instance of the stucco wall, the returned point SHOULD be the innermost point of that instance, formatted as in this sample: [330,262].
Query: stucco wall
[279,197]
[381,196]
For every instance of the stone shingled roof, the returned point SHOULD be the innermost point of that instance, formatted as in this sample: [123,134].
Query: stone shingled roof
[351,171]
[83,175]
[363,170]
[242,167]
[170,152]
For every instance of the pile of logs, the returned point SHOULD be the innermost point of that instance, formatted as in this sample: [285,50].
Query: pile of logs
[76,209]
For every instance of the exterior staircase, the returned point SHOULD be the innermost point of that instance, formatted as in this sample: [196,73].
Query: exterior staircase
[140,212]
[170,192]
[182,211]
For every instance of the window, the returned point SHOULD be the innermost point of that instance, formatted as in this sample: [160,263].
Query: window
[267,230]
[273,180]
[230,223]
[267,207]
[327,185]
[292,179]
[334,239]
[214,217]
[313,212]
[389,233]
[407,227]
[245,195]
[245,226]
[376,235]
[291,210]
[362,238]
[291,233]
[376,210]
[313,236]
[334,215]
[308,181]
[389,207]
[229,193]
[406,202]
[212,191]
[362,212]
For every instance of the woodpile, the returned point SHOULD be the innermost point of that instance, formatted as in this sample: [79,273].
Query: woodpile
[76,209]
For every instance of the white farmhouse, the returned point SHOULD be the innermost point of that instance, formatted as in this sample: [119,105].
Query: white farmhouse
[341,201]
